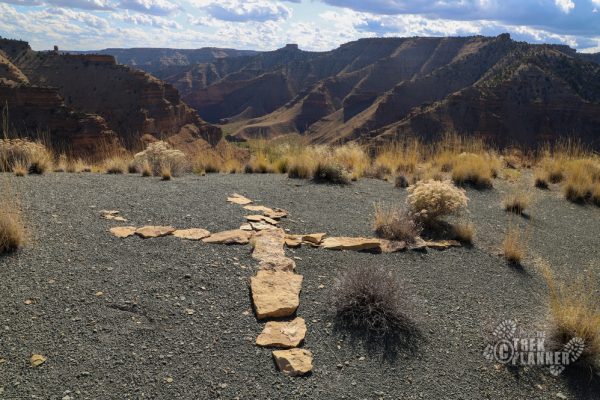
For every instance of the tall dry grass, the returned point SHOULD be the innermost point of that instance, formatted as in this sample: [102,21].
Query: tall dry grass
[575,311]
[12,229]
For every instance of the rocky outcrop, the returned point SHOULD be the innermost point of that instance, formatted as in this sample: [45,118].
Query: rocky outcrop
[376,90]
[129,102]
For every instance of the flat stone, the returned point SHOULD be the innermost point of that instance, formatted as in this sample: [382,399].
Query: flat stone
[276,213]
[275,294]
[293,362]
[191,234]
[261,209]
[293,241]
[239,199]
[277,263]
[236,236]
[418,245]
[442,244]
[261,218]
[246,227]
[282,334]
[148,232]
[314,238]
[392,246]
[123,231]
[351,243]
[109,212]
[268,244]
[262,226]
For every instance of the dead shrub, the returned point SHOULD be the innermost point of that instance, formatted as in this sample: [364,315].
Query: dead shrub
[401,182]
[370,301]
[330,172]
[431,200]
[12,231]
[160,155]
[395,223]
[35,156]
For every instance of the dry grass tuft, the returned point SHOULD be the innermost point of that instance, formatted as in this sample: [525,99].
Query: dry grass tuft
[513,246]
[540,179]
[371,300]
[20,168]
[473,169]
[431,200]
[146,169]
[353,158]
[395,223]
[328,171]
[116,165]
[464,232]
[160,155]
[575,311]
[35,156]
[516,202]
[399,157]
[165,173]
[12,231]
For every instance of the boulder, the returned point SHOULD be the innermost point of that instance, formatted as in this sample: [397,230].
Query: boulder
[123,231]
[236,236]
[293,362]
[275,294]
[148,232]
[191,234]
[351,243]
[282,334]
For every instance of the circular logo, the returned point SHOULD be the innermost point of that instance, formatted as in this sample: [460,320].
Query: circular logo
[504,351]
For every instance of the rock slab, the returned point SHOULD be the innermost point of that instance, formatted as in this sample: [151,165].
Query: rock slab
[351,243]
[191,234]
[148,232]
[275,294]
[282,334]
[293,362]
[236,236]
[123,231]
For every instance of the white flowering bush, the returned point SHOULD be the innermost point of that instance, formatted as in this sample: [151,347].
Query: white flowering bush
[430,200]
[160,156]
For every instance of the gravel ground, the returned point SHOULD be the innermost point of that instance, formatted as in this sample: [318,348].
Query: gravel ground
[137,341]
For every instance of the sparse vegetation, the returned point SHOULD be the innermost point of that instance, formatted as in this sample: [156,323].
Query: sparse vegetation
[160,155]
[431,200]
[165,173]
[464,232]
[328,171]
[516,201]
[575,311]
[35,156]
[514,245]
[395,223]
[20,169]
[146,169]
[12,231]
[371,299]
[116,165]
[473,169]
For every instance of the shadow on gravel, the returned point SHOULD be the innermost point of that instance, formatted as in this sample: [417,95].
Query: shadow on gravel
[389,346]
[583,383]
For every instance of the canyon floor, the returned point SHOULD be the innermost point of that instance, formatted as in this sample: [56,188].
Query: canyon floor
[112,315]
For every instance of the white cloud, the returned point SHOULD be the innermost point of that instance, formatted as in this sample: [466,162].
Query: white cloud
[242,11]
[147,20]
[152,7]
[565,5]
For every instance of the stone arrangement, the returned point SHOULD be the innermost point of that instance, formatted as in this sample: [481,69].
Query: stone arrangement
[276,286]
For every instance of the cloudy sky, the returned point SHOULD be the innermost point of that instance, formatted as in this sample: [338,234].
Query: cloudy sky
[269,24]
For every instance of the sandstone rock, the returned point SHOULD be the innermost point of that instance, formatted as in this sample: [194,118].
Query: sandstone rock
[148,232]
[314,238]
[261,218]
[293,362]
[418,245]
[236,236]
[276,213]
[282,334]
[293,241]
[351,243]
[277,263]
[112,215]
[442,244]
[246,227]
[239,199]
[392,246]
[191,234]
[275,294]
[123,231]
[268,243]
[262,226]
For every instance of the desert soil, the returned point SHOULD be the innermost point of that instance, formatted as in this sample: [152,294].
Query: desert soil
[138,339]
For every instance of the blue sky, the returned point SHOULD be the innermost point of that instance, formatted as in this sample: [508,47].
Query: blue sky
[270,24]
